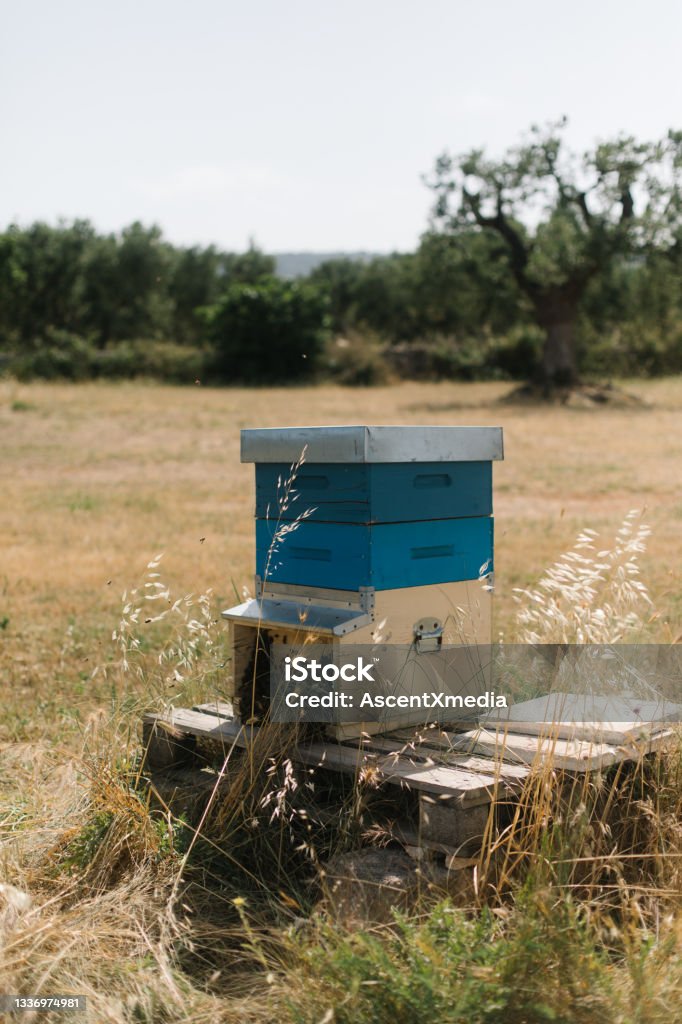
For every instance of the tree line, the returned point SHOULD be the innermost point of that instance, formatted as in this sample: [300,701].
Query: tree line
[538,265]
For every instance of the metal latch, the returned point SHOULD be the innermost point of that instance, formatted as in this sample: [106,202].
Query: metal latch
[428,635]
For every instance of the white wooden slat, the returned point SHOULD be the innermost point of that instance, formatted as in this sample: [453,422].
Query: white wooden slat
[570,755]
[209,726]
[470,788]
[510,776]
[524,749]
[219,708]
[436,744]
[600,718]
[470,780]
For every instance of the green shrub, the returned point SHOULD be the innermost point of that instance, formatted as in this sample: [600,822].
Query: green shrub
[632,350]
[515,356]
[358,360]
[65,356]
[543,964]
[270,332]
[441,358]
[160,360]
[59,355]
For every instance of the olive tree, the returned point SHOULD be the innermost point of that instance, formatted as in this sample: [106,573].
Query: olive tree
[564,218]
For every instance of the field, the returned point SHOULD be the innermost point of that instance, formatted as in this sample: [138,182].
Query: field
[99,479]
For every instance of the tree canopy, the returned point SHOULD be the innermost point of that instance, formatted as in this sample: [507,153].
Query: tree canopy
[563,219]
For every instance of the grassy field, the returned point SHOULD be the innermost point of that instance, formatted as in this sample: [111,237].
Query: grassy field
[97,480]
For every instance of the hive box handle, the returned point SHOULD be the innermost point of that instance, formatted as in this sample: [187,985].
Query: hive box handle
[311,554]
[431,480]
[437,551]
[311,483]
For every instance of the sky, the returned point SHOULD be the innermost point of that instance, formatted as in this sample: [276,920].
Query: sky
[305,125]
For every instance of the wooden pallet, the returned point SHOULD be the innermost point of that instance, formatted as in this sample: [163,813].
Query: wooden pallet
[459,779]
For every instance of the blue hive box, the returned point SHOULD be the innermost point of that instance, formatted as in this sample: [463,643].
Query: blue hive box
[347,556]
[381,507]
[378,492]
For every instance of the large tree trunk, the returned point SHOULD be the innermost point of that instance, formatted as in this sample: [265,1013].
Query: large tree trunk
[558,356]
[557,314]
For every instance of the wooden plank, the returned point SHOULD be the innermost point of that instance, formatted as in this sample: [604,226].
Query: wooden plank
[219,708]
[456,827]
[511,774]
[570,755]
[575,716]
[440,745]
[470,788]
[487,772]
[197,723]
[391,725]
[432,737]
[520,749]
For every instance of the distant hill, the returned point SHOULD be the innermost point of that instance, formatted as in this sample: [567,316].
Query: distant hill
[299,264]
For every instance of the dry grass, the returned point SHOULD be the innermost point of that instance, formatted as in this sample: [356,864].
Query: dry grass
[96,479]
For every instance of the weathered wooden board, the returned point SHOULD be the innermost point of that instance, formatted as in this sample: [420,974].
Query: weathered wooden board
[469,788]
[452,826]
[570,755]
[507,756]
[507,777]
[456,776]
[512,775]
[198,723]
[603,719]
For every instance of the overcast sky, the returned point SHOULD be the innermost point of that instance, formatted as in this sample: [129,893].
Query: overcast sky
[307,125]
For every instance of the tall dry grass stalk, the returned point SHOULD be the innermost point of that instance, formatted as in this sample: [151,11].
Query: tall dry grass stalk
[186,646]
[592,594]
[610,839]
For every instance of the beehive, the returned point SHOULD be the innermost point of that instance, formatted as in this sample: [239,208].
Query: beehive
[377,534]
